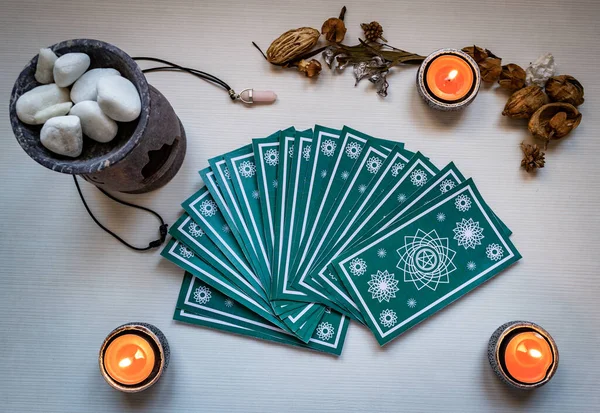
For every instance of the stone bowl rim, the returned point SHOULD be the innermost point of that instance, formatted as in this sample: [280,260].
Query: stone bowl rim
[101,162]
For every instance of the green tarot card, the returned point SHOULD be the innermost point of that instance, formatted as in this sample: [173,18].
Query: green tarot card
[204,211]
[303,322]
[327,144]
[351,145]
[291,202]
[267,163]
[183,256]
[198,304]
[242,166]
[372,174]
[429,262]
[368,212]
[186,230]
[218,182]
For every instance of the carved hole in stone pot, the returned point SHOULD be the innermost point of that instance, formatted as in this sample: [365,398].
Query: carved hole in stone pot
[157,158]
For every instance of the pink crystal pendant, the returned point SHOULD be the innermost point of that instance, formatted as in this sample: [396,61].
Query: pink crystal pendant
[250,96]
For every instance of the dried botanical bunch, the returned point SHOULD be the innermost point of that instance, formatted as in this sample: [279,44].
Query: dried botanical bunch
[334,28]
[566,89]
[512,77]
[370,61]
[489,64]
[310,68]
[524,102]
[554,121]
[533,157]
[292,44]
[373,31]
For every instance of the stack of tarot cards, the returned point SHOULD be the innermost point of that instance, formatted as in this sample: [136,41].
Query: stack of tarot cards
[298,233]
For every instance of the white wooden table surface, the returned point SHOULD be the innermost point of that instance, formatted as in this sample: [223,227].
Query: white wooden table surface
[65,284]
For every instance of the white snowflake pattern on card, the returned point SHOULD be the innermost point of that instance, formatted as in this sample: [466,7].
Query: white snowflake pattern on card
[275,183]
[328,147]
[202,295]
[353,150]
[225,228]
[462,203]
[228,302]
[362,188]
[396,168]
[426,260]
[323,173]
[325,331]
[247,169]
[382,253]
[291,151]
[185,252]
[306,152]
[255,194]
[411,303]
[441,217]
[226,172]
[468,233]
[401,198]
[374,164]
[471,266]
[271,157]
[383,286]
[446,185]
[345,175]
[494,252]
[358,266]
[418,177]
[208,208]
[388,318]
[195,230]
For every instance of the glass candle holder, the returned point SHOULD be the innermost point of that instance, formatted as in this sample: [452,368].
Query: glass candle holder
[448,79]
[523,355]
[133,357]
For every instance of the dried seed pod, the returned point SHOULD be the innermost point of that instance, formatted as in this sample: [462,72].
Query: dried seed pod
[566,89]
[334,30]
[292,44]
[524,102]
[533,157]
[512,77]
[490,69]
[373,31]
[554,121]
[478,54]
[310,68]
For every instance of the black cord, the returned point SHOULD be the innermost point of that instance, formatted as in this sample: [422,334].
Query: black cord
[163,227]
[202,75]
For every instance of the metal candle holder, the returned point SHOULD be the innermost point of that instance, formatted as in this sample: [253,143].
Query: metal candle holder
[434,101]
[158,342]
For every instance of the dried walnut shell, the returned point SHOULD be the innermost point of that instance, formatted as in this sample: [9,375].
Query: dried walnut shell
[524,102]
[334,30]
[566,89]
[292,44]
[554,121]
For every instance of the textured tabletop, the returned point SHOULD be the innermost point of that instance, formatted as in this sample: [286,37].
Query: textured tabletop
[65,284]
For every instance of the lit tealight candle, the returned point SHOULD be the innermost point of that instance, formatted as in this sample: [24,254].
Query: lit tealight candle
[133,357]
[523,354]
[528,357]
[129,359]
[448,79]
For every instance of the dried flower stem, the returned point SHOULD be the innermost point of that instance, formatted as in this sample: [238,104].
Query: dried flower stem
[343,13]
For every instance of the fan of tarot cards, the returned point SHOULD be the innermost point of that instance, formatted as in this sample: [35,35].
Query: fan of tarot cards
[298,233]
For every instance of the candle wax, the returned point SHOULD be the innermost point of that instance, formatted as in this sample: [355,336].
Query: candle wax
[129,359]
[449,77]
[528,357]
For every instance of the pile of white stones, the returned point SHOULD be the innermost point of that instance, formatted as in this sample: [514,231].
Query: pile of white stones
[97,100]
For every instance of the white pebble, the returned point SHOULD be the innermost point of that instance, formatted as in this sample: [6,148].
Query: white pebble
[37,100]
[85,88]
[62,135]
[94,122]
[69,67]
[45,66]
[119,99]
[60,109]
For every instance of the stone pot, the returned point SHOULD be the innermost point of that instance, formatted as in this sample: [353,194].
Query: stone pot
[145,154]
